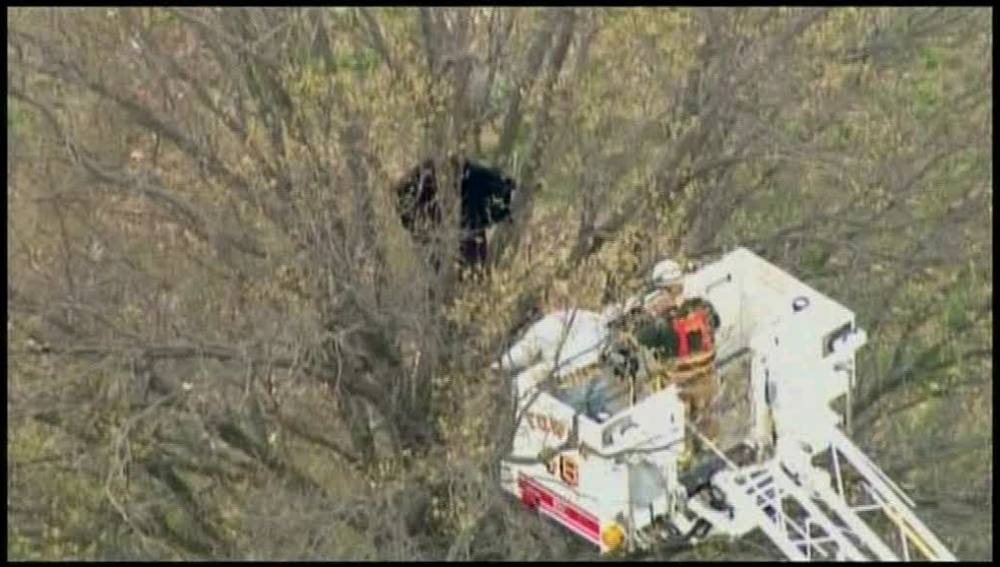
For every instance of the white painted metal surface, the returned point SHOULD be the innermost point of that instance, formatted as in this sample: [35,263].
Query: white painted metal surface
[621,473]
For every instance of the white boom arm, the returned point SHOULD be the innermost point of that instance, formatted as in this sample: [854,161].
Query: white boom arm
[808,517]
[616,479]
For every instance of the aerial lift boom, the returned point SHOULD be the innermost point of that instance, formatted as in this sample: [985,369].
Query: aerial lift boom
[620,482]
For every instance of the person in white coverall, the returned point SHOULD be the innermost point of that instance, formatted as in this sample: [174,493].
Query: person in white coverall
[561,342]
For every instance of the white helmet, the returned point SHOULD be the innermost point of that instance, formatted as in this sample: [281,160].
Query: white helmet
[666,272]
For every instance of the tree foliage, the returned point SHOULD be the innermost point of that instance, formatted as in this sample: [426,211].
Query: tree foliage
[222,344]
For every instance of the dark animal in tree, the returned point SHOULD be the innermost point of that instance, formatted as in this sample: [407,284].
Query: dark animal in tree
[485,200]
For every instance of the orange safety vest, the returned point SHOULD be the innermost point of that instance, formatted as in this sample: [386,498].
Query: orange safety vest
[695,321]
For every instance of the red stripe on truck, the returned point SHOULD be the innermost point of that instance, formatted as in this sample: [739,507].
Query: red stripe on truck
[563,511]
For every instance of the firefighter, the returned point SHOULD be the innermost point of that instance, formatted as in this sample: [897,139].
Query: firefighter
[567,343]
[668,281]
[564,342]
[566,339]
[681,331]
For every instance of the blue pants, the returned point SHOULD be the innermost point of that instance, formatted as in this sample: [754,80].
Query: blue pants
[588,399]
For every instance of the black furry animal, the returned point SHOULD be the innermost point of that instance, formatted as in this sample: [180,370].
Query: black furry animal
[485,200]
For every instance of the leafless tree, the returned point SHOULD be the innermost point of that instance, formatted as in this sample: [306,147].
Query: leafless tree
[213,308]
